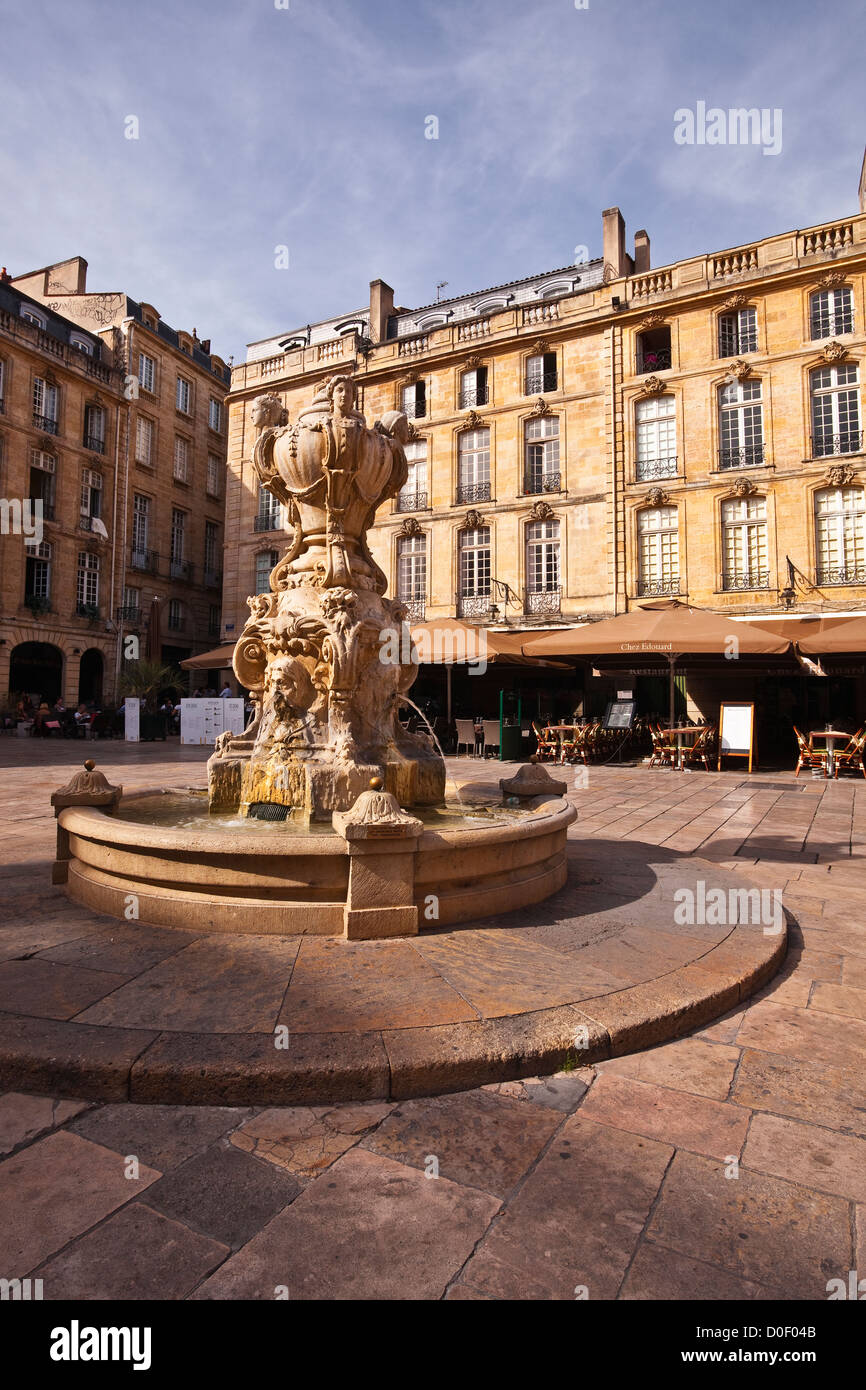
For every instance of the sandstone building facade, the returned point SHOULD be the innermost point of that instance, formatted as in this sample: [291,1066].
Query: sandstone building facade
[601,434]
[155,484]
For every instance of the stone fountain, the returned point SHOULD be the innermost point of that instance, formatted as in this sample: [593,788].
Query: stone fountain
[308,823]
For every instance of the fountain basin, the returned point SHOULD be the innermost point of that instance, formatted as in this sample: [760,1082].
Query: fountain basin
[276,879]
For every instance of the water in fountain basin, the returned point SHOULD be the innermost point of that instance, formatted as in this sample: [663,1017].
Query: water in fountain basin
[448,780]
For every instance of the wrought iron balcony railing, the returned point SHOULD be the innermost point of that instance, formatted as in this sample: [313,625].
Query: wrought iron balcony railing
[416,609]
[657,588]
[127,613]
[539,382]
[849,574]
[213,579]
[828,445]
[653,360]
[537,601]
[736,346]
[473,605]
[46,423]
[415,410]
[647,469]
[475,395]
[144,560]
[94,443]
[181,569]
[268,521]
[749,456]
[85,523]
[748,579]
[473,492]
[542,482]
[411,502]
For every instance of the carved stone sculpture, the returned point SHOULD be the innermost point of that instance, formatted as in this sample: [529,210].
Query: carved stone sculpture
[317,647]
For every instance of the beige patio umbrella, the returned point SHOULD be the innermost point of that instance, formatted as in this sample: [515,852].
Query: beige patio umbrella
[665,628]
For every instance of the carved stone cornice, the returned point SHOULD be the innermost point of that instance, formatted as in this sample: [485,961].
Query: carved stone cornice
[652,386]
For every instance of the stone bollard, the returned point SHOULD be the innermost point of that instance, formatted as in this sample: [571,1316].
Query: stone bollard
[382,840]
[87,788]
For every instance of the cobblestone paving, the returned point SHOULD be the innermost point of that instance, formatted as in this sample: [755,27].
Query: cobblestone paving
[728,1164]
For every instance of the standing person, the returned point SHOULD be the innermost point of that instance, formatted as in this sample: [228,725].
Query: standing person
[226,692]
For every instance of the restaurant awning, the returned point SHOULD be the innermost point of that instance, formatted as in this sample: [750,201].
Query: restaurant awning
[220,658]
[666,628]
[448,642]
[834,635]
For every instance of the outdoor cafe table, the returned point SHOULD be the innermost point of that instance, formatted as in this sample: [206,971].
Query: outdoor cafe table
[681,730]
[831,737]
[563,729]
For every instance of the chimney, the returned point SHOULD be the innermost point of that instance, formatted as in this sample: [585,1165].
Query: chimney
[613,241]
[863,184]
[641,252]
[381,309]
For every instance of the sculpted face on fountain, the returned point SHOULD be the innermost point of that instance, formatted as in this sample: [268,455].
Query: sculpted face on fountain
[329,709]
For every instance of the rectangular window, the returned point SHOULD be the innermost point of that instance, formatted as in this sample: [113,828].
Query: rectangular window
[91,497]
[147,373]
[414,399]
[474,571]
[178,540]
[658,551]
[211,552]
[94,428]
[44,405]
[831,312]
[473,466]
[183,396]
[541,451]
[131,611]
[213,620]
[473,388]
[215,415]
[741,425]
[88,580]
[37,578]
[175,613]
[265,561]
[656,423]
[181,460]
[413,495]
[541,374]
[270,513]
[42,481]
[738,332]
[412,574]
[744,543]
[542,567]
[140,528]
[839,513]
[213,475]
[143,440]
[836,411]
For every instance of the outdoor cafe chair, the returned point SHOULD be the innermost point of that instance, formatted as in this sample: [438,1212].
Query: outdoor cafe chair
[546,741]
[664,750]
[851,756]
[808,756]
[491,734]
[465,735]
[700,749]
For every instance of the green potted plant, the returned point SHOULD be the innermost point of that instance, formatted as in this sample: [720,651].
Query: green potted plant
[144,679]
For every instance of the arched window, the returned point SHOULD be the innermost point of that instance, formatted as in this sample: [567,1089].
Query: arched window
[741,425]
[658,551]
[543,588]
[473,568]
[836,410]
[541,471]
[831,312]
[656,426]
[738,332]
[744,543]
[839,547]
[265,562]
[412,574]
[473,466]
[34,316]
[81,344]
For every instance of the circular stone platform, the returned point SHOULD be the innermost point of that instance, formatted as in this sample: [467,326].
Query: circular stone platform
[116,1011]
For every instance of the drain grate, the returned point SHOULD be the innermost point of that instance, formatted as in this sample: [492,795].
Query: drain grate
[268,810]
[772,787]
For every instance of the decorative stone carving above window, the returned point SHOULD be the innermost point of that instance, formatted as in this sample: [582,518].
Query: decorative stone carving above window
[542,511]
[833,280]
[735,301]
[541,407]
[473,520]
[410,378]
[652,386]
[834,352]
[473,363]
[540,347]
[473,420]
[840,475]
[410,527]
[739,369]
[744,487]
[657,497]
[653,320]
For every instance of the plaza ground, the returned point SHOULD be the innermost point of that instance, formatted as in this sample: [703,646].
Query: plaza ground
[730,1163]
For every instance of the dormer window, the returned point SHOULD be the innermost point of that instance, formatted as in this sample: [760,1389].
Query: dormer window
[432,321]
[554,288]
[34,316]
[292,344]
[350,326]
[81,344]
[492,305]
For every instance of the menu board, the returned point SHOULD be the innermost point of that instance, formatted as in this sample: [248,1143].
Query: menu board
[619,714]
[201,721]
[131,719]
[736,732]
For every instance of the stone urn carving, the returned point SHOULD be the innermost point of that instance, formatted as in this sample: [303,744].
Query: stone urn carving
[318,645]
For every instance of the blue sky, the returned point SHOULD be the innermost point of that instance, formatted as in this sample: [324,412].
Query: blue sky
[305,127]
